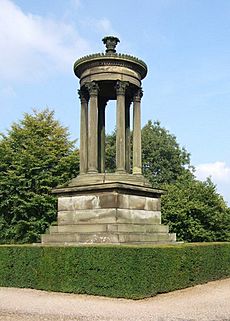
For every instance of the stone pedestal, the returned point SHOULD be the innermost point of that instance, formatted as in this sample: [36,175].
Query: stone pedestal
[111,213]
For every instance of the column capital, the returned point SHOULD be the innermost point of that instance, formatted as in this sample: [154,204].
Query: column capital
[92,87]
[83,95]
[138,95]
[121,87]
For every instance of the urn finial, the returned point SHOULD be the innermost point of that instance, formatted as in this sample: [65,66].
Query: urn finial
[110,43]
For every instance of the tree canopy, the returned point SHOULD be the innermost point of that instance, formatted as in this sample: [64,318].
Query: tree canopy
[36,155]
[195,211]
[163,159]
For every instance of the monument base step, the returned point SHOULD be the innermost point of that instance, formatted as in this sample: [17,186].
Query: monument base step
[108,237]
[103,228]
[105,178]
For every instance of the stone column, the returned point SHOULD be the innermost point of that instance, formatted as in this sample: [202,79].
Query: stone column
[101,134]
[120,135]
[93,127]
[83,131]
[127,134]
[137,161]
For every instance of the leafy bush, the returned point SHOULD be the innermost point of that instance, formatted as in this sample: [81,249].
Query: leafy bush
[115,271]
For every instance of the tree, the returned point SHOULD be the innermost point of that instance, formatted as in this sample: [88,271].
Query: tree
[163,159]
[110,152]
[36,155]
[195,211]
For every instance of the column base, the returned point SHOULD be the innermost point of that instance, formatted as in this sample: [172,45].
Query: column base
[91,171]
[137,171]
[121,171]
[104,178]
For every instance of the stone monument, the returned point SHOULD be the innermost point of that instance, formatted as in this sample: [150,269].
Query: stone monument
[101,207]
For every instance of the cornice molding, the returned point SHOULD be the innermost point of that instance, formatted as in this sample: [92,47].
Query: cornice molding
[101,59]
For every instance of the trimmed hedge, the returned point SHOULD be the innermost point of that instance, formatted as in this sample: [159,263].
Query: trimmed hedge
[115,271]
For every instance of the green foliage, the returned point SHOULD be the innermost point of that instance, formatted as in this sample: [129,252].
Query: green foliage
[35,156]
[131,272]
[110,152]
[195,211]
[163,159]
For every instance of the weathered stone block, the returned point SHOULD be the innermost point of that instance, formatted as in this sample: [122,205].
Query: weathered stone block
[144,238]
[99,238]
[131,202]
[87,216]
[122,201]
[107,200]
[138,228]
[152,204]
[60,238]
[53,229]
[138,216]
[82,228]
[138,237]
[81,202]
[136,202]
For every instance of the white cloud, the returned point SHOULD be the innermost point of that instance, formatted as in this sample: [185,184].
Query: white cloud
[31,45]
[219,171]
[103,25]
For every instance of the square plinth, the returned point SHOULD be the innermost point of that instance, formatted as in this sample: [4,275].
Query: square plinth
[117,213]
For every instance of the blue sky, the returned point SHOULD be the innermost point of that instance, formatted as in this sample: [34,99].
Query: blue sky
[185,44]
